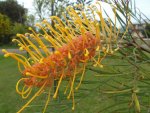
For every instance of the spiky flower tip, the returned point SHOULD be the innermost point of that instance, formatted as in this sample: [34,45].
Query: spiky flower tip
[76,39]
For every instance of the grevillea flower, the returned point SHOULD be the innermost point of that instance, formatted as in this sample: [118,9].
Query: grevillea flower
[77,39]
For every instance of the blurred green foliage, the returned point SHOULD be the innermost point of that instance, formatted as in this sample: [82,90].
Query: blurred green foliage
[5,25]
[12,20]
[13,10]
[147,30]
[8,30]
[19,28]
[5,29]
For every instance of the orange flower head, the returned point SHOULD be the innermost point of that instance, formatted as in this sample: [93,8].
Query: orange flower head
[77,40]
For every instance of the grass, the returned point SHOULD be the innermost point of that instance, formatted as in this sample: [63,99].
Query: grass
[89,99]
[8,78]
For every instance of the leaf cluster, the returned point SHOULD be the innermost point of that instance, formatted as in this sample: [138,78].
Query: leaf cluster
[13,10]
